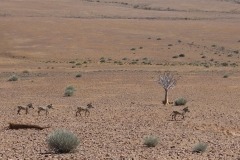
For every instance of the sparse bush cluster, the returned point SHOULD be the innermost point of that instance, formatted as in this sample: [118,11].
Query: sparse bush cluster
[62,141]
[69,91]
[150,141]
[200,147]
[13,78]
[180,101]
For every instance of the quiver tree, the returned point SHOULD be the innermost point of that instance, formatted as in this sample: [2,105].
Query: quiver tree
[167,81]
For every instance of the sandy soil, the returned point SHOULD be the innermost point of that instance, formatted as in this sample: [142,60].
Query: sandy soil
[121,48]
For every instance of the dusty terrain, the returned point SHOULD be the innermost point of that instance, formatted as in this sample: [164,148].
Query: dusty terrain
[121,48]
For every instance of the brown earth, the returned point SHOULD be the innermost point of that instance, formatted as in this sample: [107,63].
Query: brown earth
[46,43]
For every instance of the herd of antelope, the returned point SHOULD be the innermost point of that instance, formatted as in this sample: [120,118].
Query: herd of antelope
[87,108]
[46,108]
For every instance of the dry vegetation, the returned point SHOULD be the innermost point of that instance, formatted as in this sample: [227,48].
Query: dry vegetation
[118,49]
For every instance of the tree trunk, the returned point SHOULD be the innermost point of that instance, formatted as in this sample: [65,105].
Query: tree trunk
[166,98]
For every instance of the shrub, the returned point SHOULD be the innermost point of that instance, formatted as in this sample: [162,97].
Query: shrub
[179,41]
[102,59]
[170,45]
[225,76]
[25,71]
[140,47]
[158,39]
[13,78]
[181,55]
[69,91]
[133,49]
[124,59]
[236,51]
[180,101]
[62,141]
[150,141]
[224,64]
[175,57]
[203,57]
[78,75]
[200,147]
[72,62]
[79,63]
[213,45]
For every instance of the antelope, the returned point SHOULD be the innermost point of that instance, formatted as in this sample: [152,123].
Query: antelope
[83,108]
[182,112]
[45,109]
[24,108]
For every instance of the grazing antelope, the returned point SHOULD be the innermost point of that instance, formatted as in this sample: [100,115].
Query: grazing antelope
[24,108]
[45,109]
[86,109]
[182,112]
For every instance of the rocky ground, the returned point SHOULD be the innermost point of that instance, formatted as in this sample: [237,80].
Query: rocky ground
[127,109]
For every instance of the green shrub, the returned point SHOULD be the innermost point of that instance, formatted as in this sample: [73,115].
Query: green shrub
[236,51]
[224,64]
[69,91]
[180,101]
[25,71]
[133,49]
[170,45]
[72,62]
[175,57]
[124,59]
[158,39]
[203,57]
[79,63]
[225,76]
[102,59]
[213,45]
[179,41]
[13,78]
[181,55]
[200,147]
[62,141]
[150,141]
[78,75]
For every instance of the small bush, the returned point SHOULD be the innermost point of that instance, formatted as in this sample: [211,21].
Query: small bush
[225,76]
[133,49]
[180,101]
[69,91]
[236,51]
[203,57]
[200,147]
[213,45]
[78,75]
[140,47]
[181,55]
[62,141]
[150,141]
[102,59]
[175,57]
[224,64]
[179,41]
[79,63]
[13,78]
[124,59]
[25,71]
[170,45]
[72,62]
[158,39]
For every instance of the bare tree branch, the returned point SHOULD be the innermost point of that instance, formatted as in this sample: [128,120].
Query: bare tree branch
[167,81]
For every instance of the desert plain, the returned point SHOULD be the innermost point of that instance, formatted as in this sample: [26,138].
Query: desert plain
[120,48]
